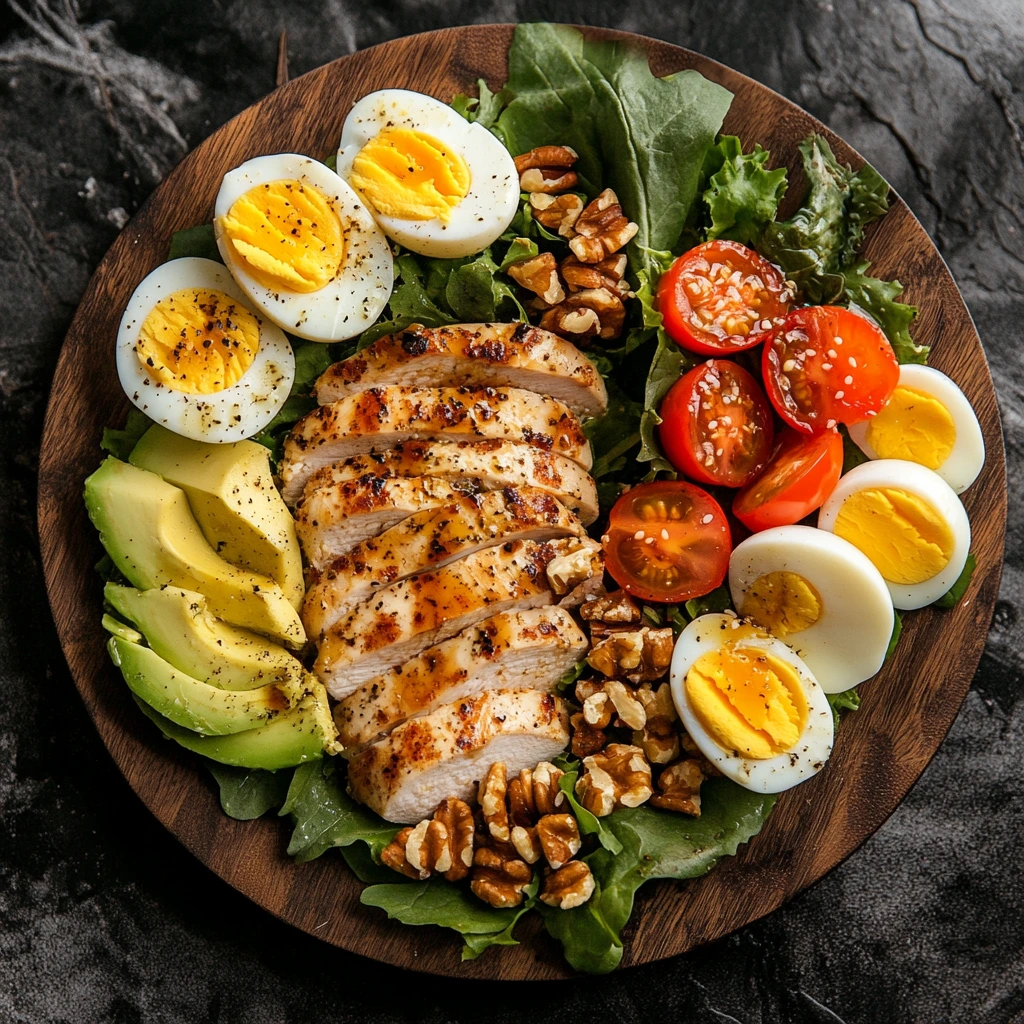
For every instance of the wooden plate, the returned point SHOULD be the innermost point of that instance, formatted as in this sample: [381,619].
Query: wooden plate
[881,750]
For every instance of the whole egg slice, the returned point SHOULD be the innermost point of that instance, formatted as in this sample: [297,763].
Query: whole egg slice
[195,357]
[909,523]
[820,595]
[750,704]
[303,247]
[928,420]
[434,182]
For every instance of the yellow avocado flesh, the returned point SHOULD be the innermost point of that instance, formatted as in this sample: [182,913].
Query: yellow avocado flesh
[179,627]
[915,427]
[783,603]
[410,175]
[148,530]
[904,536]
[288,235]
[198,340]
[231,492]
[747,700]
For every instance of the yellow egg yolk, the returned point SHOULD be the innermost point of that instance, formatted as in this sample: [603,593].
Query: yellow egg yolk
[913,426]
[783,603]
[408,174]
[748,700]
[905,537]
[288,234]
[198,340]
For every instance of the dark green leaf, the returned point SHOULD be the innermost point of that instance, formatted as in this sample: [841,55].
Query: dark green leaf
[570,677]
[121,442]
[848,700]
[613,434]
[360,860]
[877,298]
[311,359]
[897,629]
[957,591]
[520,249]
[667,366]
[483,109]
[247,793]
[719,600]
[332,162]
[109,572]
[198,241]
[273,434]
[742,195]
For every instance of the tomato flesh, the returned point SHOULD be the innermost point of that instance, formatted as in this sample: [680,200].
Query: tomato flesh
[716,424]
[722,297]
[828,365]
[801,475]
[667,541]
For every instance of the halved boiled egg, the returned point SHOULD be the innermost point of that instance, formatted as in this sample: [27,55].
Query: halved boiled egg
[928,420]
[194,356]
[909,523]
[433,181]
[750,704]
[302,246]
[820,595]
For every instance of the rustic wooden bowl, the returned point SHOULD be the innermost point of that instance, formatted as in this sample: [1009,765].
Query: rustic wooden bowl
[881,750]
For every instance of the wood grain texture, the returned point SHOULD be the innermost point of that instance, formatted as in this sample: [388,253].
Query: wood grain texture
[907,709]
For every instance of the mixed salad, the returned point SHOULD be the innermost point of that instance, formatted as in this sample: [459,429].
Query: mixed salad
[464,513]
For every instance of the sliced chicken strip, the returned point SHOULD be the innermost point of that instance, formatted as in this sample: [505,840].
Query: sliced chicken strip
[429,540]
[444,754]
[514,355]
[379,418]
[515,650]
[401,621]
[471,466]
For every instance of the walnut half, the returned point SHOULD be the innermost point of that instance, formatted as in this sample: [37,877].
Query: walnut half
[540,276]
[547,169]
[680,788]
[618,776]
[601,229]
[499,875]
[570,886]
[442,844]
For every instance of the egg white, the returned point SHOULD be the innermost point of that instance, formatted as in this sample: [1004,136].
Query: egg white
[963,464]
[493,197]
[762,775]
[848,642]
[930,487]
[233,414]
[349,303]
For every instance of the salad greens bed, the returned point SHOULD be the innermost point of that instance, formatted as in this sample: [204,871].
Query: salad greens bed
[656,142]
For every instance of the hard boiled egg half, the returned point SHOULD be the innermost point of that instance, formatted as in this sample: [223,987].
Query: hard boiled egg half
[750,704]
[302,247]
[194,356]
[928,420]
[909,523]
[433,181]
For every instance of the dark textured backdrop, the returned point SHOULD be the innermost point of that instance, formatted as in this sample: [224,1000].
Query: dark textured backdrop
[103,917]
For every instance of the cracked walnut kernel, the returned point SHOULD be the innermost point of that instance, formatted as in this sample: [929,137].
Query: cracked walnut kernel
[539,275]
[601,229]
[559,838]
[532,794]
[547,169]
[640,655]
[499,876]
[556,213]
[491,797]
[618,776]
[570,886]
[613,609]
[586,739]
[442,844]
[680,788]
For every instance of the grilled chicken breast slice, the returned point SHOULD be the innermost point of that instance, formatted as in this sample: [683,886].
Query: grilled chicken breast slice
[514,355]
[379,418]
[512,651]
[430,539]
[470,466]
[402,620]
[406,775]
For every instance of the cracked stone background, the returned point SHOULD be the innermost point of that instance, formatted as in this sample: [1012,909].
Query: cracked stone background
[103,917]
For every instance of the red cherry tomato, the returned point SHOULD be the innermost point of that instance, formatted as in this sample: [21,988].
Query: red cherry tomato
[667,541]
[716,424]
[802,473]
[828,365]
[721,297]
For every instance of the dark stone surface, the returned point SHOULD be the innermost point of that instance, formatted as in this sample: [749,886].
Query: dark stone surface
[103,917]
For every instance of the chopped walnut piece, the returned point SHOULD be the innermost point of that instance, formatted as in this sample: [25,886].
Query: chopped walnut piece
[570,886]
[680,788]
[499,875]
[457,819]
[556,213]
[601,229]
[603,701]
[491,796]
[613,609]
[566,572]
[586,739]
[586,314]
[608,273]
[442,844]
[540,276]
[393,856]
[559,838]
[532,794]
[659,738]
[618,776]
[547,169]
[526,843]
[640,655]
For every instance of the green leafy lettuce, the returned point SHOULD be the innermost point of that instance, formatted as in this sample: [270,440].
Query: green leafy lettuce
[952,597]
[742,195]
[121,442]
[247,793]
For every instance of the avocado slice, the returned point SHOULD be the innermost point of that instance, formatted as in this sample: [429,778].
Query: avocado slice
[148,530]
[111,625]
[178,625]
[230,489]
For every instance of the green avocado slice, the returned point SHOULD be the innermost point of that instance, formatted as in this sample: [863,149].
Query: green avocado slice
[149,531]
[178,625]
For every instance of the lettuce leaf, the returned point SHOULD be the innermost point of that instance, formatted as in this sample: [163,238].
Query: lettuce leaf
[848,700]
[742,196]
[121,442]
[956,592]
[877,298]
[247,793]
[198,241]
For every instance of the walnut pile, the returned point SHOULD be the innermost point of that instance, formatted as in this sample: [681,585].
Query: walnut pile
[442,844]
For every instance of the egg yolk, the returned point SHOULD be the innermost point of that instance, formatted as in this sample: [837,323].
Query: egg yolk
[905,537]
[198,340]
[288,234]
[748,700]
[913,426]
[783,603]
[408,174]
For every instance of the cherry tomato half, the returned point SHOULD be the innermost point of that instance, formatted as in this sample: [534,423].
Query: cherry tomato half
[716,424]
[667,541]
[722,297]
[828,365]
[802,473]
